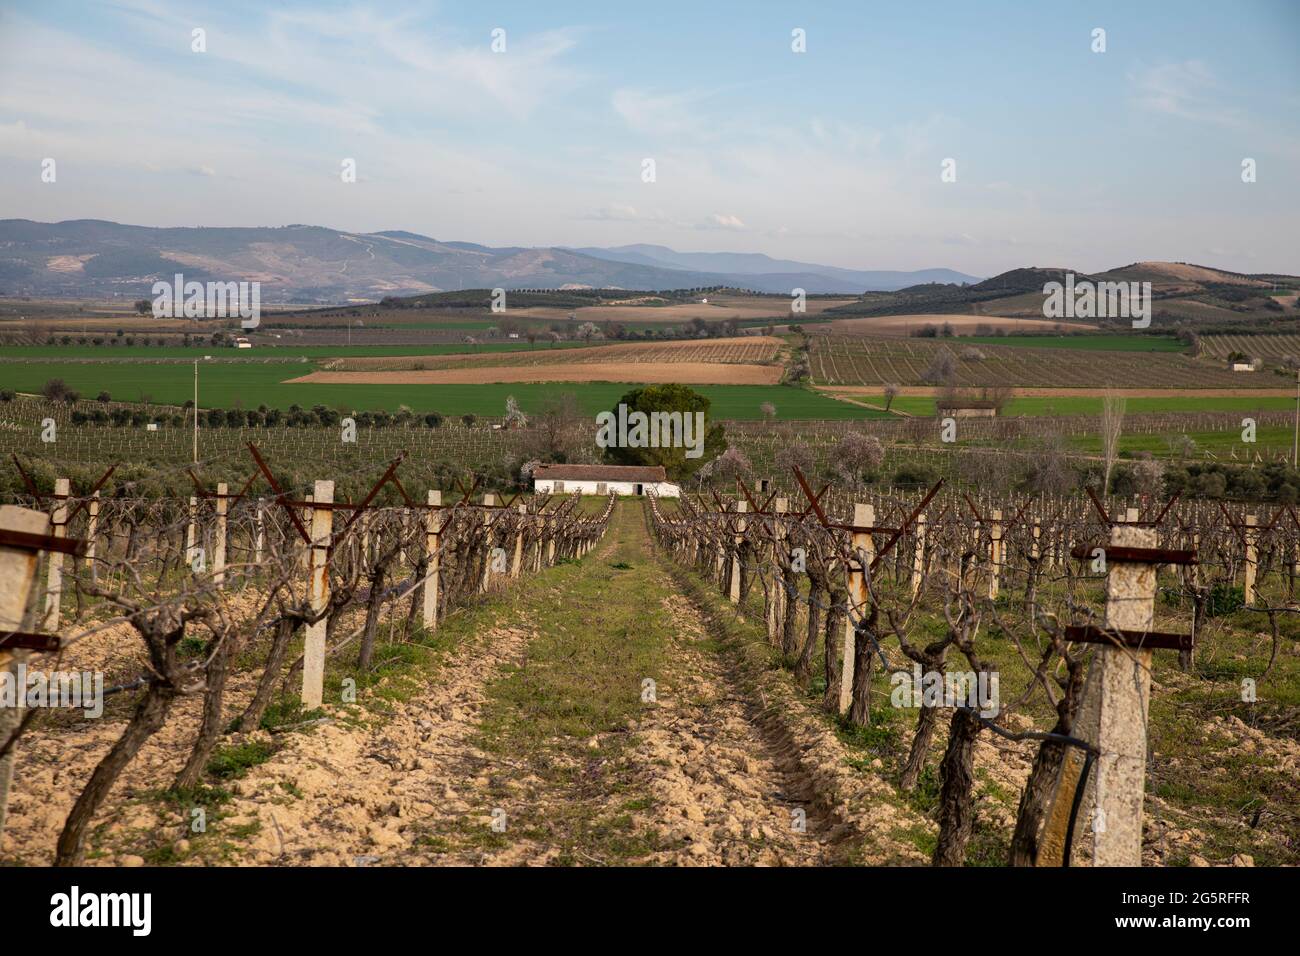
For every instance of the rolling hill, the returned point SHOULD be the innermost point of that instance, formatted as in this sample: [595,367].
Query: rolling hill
[315,264]
[1181,292]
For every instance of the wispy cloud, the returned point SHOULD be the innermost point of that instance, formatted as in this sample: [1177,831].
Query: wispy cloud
[1188,90]
[720,220]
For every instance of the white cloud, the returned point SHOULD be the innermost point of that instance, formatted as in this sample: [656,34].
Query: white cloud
[723,221]
[1187,90]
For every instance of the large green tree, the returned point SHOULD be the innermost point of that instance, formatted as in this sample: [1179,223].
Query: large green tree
[669,398]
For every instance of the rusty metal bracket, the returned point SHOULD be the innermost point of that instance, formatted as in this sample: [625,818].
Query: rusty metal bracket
[1122,554]
[42,542]
[26,640]
[1143,640]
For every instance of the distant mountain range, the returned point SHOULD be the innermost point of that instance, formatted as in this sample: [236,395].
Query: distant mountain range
[743,269]
[298,263]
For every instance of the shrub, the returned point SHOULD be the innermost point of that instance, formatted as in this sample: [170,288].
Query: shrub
[1224,598]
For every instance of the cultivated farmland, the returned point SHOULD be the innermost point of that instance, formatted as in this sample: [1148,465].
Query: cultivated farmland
[861,360]
[1271,348]
[745,350]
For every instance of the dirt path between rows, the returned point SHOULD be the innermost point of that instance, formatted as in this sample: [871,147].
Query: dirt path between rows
[699,776]
[721,783]
[369,796]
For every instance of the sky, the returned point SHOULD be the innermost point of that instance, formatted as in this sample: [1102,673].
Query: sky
[1063,156]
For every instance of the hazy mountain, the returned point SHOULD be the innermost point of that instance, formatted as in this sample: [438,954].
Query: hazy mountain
[775,274]
[300,263]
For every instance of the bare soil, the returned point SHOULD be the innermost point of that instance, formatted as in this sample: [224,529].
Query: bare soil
[685,373]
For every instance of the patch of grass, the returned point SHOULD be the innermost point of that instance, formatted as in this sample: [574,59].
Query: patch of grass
[285,711]
[565,715]
[234,760]
[203,795]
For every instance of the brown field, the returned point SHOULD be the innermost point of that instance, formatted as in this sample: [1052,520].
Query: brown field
[743,350]
[684,373]
[1181,271]
[962,324]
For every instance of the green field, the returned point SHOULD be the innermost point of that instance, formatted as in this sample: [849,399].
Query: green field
[227,384]
[289,351]
[1221,443]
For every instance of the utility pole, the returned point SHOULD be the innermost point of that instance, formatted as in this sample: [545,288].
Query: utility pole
[196,411]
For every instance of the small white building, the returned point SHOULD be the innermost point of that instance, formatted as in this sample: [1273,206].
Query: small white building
[242,343]
[602,479]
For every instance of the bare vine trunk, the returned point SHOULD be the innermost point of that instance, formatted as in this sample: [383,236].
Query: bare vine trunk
[210,725]
[956,806]
[373,609]
[790,620]
[284,631]
[150,713]
[831,661]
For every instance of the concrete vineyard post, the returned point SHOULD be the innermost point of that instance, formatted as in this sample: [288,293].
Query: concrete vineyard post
[733,590]
[516,564]
[918,556]
[92,532]
[219,545]
[864,516]
[776,614]
[192,530]
[432,534]
[54,576]
[488,501]
[1113,714]
[313,655]
[18,588]
[996,553]
[1252,559]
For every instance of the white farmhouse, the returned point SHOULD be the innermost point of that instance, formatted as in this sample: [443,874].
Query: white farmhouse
[602,479]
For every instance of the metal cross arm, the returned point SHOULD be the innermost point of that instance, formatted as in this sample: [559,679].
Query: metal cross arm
[814,501]
[1138,640]
[365,502]
[916,513]
[280,495]
[42,542]
[26,640]
[81,505]
[1136,555]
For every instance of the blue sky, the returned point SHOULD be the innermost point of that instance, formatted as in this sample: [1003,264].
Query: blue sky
[1063,156]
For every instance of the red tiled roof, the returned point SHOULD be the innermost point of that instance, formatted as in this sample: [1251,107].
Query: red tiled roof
[642,473]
